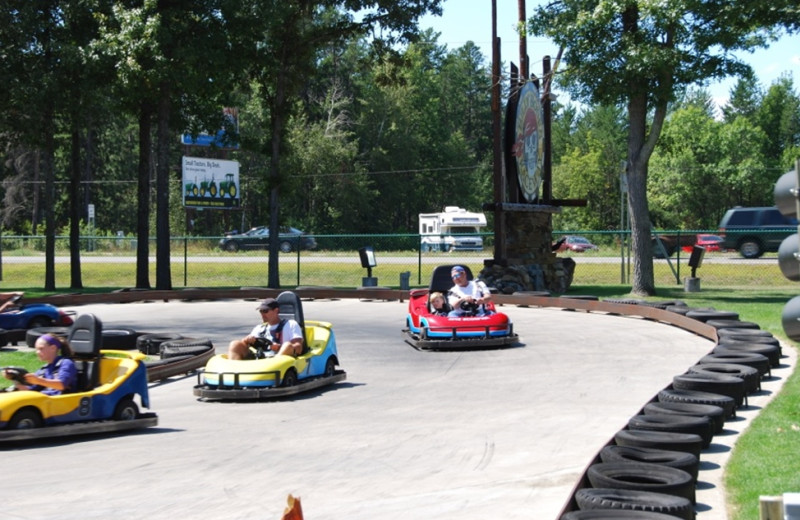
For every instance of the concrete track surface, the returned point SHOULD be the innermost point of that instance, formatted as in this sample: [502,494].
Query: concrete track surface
[461,435]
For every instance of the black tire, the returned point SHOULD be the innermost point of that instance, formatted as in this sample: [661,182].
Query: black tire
[14,336]
[39,321]
[119,338]
[184,346]
[33,334]
[286,246]
[678,309]
[687,442]
[771,352]
[757,361]
[150,343]
[3,337]
[701,426]
[715,413]
[744,338]
[750,375]
[727,332]
[590,499]
[25,419]
[639,476]
[705,315]
[290,378]
[231,246]
[673,395]
[717,384]
[730,324]
[126,410]
[613,514]
[674,459]
[330,366]
[751,248]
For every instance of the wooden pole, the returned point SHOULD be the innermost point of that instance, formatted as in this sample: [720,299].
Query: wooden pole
[770,507]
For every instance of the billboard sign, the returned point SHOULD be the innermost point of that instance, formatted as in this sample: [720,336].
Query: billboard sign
[220,139]
[210,183]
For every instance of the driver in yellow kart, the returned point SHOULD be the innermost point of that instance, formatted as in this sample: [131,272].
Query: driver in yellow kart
[284,334]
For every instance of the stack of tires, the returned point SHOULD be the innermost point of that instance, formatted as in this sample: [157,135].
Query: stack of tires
[649,470]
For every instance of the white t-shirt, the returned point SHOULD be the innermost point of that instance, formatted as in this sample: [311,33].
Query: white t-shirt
[290,331]
[475,288]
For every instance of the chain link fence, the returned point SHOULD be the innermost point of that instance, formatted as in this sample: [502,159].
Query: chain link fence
[334,261]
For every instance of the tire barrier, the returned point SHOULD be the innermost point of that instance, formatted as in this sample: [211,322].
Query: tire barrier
[184,346]
[755,360]
[747,333]
[14,336]
[672,395]
[715,413]
[119,338]
[33,334]
[613,514]
[675,459]
[710,314]
[717,384]
[701,426]
[150,344]
[640,476]
[687,442]
[3,337]
[723,324]
[750,375]
[749,338]
[771,352]
[591,499]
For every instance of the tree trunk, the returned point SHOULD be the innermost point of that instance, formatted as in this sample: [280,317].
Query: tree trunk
[163,273]
[143,198]
[74,208]
[277,113]
[643,281]
[48,202]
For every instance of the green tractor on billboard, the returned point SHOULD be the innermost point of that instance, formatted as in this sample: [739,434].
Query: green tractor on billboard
[209,188]
[228,186]
[192,190]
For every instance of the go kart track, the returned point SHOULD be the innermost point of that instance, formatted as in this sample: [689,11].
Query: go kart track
[477,434]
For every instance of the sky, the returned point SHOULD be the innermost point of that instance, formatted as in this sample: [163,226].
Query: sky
[465,20]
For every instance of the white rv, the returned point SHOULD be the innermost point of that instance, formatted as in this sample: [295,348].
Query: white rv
[454,229]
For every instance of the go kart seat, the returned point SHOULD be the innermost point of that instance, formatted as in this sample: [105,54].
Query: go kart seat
[441,281]
[291,308]
[86,338]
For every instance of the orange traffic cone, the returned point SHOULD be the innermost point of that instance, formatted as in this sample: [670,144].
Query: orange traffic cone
[293,511]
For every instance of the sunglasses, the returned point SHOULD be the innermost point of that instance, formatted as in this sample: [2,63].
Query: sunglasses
[457,275]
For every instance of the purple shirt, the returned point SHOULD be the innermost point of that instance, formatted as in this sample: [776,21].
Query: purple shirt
[64,370]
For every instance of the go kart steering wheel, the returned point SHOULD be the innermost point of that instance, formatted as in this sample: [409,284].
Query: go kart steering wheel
[261,345]
[15,298]
[16,374]
[469,306]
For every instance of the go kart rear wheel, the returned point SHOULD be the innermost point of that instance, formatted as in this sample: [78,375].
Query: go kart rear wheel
[290,379]
[330,366]
[126,410]
[25,419]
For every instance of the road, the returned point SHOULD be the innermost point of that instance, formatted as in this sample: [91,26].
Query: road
[410,434]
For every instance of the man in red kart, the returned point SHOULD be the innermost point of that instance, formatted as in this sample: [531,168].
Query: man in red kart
[467,297]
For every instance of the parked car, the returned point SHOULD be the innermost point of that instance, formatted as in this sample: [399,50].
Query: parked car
[755,231]
[709,242]
[291,239]
[576,244]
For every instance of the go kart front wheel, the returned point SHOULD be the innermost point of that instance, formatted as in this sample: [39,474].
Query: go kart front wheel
[290,379]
